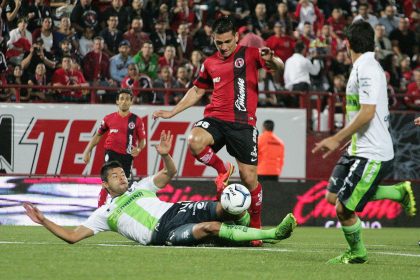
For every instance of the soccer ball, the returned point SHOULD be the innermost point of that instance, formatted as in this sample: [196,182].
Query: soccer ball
[235,199]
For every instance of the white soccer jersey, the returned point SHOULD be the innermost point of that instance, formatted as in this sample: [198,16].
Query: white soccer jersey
[133,214]
[367,85]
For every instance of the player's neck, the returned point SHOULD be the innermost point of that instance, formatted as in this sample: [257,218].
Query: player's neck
[354,56]
[123,114]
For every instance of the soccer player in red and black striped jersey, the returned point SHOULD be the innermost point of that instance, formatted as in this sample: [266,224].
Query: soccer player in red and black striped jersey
[126,137]
[230,118]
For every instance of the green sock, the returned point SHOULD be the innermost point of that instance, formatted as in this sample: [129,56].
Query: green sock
[244,220]
[388,192]
[242,233]
[353,235]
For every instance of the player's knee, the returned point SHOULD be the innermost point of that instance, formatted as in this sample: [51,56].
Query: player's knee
[331,197]
[196,144]
[342,213]
[210,228]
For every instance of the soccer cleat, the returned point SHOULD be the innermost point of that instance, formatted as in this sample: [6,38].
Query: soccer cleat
[256,243]
[222,180]
[286,227]
[348,258]
[408,202]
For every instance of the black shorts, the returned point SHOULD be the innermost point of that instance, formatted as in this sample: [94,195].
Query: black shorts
[356,179]
[183,213]
[126,160]
[241,140]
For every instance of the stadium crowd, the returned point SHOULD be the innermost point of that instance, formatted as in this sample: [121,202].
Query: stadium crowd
[161,44]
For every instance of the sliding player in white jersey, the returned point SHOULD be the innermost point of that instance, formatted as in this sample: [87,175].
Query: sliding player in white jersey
[137,213]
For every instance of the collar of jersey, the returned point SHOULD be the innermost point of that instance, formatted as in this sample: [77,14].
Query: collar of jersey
[366,55]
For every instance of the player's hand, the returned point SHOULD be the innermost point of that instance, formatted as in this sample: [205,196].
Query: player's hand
[165,143]
[266,53]
[162,114]
[86,157]
[327,146]
[135,151]
[417,121]
[34,213]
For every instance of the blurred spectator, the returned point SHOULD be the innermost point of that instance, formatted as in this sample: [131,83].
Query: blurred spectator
[119,63]
[37,11]
[248,38]
[17,78]
[185,42]
[165,81]
[137,81]
[196,62]
[15,9]
[403,39]
[283,17]
[83,15]
[168,58]
[412,96]
[338,87]
[112,36]
[383,46]
[340,65]
[296,73]
[203,39]
[265,83]
[259,21]
[45,32]
[280,43]
[137,10]
[391,64]
[147,61]
[182,14]
[307,11]
[270,153]
[406,72]
[337,22]
[364,15]
[324,45]
[182,82]
[66,76]
[86,42]
[306,35]
[162,37]
[20,42]
[239,10]
[37,55]
[65,31]
[410,6]
[132,82]
[66,49]
[392,98]
[39,78]
[135,35]
[389,20]
[163,14]
[122,13]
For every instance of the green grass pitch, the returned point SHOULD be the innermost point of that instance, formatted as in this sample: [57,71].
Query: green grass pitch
[34,253]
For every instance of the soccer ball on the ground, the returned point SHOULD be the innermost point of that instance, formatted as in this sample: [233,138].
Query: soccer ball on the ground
[235,199]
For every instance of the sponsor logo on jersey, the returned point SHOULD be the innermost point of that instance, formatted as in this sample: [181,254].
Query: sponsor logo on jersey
[113,130]
[240,101]
[239,62]
[216,80]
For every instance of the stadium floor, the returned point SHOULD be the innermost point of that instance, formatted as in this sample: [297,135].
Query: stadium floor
[33,253]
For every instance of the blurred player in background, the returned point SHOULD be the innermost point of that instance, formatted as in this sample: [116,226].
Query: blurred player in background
[368,159]
[138,214]
[230,117]
[126,137]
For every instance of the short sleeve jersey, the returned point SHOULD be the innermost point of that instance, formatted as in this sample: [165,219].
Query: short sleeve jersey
[133,214]
[235,85]
[123,132]
[367,85]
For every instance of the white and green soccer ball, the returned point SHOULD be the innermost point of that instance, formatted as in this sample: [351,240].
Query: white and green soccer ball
[235,199]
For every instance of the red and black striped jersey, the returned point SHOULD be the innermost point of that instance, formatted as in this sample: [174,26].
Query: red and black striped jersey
[123,132]
[235,84]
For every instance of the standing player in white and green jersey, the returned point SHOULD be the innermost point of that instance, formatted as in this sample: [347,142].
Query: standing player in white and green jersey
[368,159]
[138,214]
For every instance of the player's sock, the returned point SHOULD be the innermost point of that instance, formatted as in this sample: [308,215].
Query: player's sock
[388,192]
[209,157]
[102,197]
[244,220]
[256,206]
[353,235]
[243,233]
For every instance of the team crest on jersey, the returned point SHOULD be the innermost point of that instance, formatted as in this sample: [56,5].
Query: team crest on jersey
[239,62]
[131,125]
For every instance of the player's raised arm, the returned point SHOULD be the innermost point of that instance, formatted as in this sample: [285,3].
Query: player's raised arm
[192,96]
[165,175]
[272,61]
[69,235]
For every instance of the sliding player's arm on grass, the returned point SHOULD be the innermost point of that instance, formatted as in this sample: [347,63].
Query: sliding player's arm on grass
[165,175]
[69,235]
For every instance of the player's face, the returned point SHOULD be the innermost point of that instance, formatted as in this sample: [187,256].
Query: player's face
[124,102]
[117,182]
[226,43]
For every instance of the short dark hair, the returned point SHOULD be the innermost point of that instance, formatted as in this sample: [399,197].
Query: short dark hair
[106,167]
[361,36]
[124,91]
[224,24]
[268,125]
[299,47]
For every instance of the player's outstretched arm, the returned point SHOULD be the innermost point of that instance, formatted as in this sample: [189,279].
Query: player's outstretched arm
[69,235]
[192,96]
[164,176]
[272,61]
[93,142]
